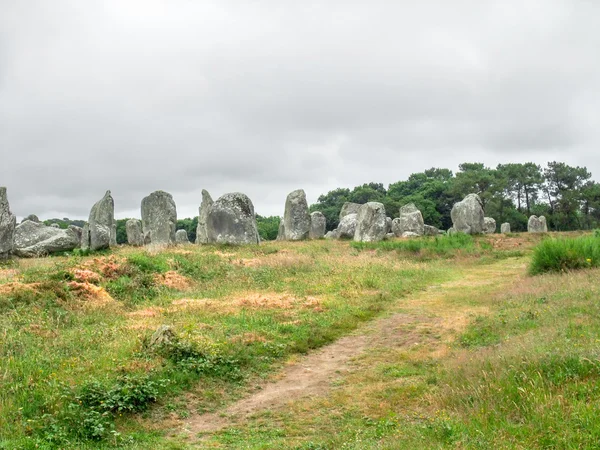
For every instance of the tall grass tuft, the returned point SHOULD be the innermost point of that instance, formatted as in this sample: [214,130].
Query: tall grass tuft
[563,254]
[445,245]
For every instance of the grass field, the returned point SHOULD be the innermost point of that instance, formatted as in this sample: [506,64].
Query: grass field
[481,354]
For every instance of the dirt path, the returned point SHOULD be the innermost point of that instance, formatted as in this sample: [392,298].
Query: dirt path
[431,317]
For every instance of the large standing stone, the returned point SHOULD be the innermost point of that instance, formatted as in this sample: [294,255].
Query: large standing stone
[411,220]
[349,208]
[8,223]
[231,220]
[159,219]
[281,231]
[388,224]
[78,232]
[181,237]
[347,227]
[317,225]
[36,239]
[296,218]
[133,227]
[489,225]
[201,233]
[505,227]
[101,224]
[371,223]
[537,225]
[85,237]
[467,215]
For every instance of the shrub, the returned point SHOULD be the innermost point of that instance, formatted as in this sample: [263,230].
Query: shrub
[562,254]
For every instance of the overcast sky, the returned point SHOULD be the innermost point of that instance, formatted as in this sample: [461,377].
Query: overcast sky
[264,97]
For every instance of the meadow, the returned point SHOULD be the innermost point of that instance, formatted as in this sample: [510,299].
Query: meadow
[447,342]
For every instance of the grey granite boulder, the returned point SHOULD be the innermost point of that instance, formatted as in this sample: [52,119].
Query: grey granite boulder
[349,208]
[388,224]
[396,227]
[36,239]
[467,215]
[317,225]
[31,217]
[281,231]
[296,218]
[85,237]
[231,220]
[489,225]
[537,225]
[429,230]
[133,227]
[410,234]
[159,219]
[411,220]
[181,237]
[347,227]
[333,234]
[54,225]
[101,224]
[201,233]
[371,223]
[505,227]
[8,223]
[78,232]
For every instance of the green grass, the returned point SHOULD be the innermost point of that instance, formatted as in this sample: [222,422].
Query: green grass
[563,254]
[435,246]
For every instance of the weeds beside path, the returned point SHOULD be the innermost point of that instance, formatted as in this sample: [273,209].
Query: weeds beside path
[422,326]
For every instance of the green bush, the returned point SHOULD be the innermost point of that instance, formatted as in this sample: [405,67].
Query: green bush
[562,254]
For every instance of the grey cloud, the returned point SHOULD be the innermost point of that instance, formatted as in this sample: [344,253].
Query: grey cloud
[265,97]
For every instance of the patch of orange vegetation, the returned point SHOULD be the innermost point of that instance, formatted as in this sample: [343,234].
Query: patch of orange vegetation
[86,276]
[173,280]
[94,295]
[15,286]
[8,274]
[109,267]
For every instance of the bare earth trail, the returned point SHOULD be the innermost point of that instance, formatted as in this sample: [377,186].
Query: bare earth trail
[431,318]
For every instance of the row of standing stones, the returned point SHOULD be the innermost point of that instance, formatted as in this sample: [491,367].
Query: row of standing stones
[231,220]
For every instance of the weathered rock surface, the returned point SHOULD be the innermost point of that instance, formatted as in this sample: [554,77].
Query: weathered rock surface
[411,220]
[429,230]
[505,227]
[388,224]
[347,227]
[31,217]
[135,237]
[537,224]
[54,225]
[396,227]
[371,223]
[467,215]
[410,234]
[36,239]
[231,220]
[159,219]
[163,335]
[205,205]
[101,224]
[489,225]
[78,232]
[8,223]
[296,218]
[181,237]
[317,225]
[333,234]
[281,231]
[349,208]
[85,237]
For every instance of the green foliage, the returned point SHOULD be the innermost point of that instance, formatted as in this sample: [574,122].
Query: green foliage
[122,231]
[268,227]
[190,226]
[444,245]
[562,254]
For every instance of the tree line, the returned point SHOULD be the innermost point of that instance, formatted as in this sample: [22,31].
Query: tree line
[565,195]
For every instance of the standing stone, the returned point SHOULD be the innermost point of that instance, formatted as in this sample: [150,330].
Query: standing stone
[349,208]
[467,215]
[396,229]
[489,225]
[333,234]
[8,223]
[31,217]
[281,231]
[201,233]
[159,219]
[133,227]
[317,225]
[505,227]
[231,220]
[102,223]
[388,224]
[429,230]
[371,223]
[537,225]
[78,232]
[411,220]
[36,239]
[296,218]
[85,237]
[347,227]
[181,237]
